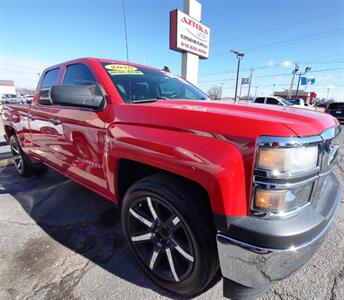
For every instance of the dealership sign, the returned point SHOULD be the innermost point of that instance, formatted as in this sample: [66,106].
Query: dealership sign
[188,35]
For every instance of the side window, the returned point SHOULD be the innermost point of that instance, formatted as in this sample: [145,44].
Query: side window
[272,101]
[50,79]
[78,74]
[259,100]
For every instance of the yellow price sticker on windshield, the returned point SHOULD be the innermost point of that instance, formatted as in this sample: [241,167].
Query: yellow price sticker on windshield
[116,69]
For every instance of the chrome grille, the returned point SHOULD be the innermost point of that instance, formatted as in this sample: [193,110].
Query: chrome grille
[327,159]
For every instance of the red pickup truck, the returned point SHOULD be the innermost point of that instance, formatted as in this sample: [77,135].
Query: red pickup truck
[201,184]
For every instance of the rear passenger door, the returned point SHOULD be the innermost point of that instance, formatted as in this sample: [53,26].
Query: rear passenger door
[41,120]
[272,101]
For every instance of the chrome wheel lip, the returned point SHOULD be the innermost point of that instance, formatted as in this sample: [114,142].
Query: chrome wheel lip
[168,249]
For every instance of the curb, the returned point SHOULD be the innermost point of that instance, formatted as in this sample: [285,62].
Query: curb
[4,162]
[5,157]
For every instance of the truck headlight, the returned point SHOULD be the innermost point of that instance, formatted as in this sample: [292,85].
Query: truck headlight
[287,159]
[284,175]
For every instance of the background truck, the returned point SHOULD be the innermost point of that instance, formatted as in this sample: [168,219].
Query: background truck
[202,185]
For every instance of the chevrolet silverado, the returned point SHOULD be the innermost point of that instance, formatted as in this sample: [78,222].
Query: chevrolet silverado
[247,189]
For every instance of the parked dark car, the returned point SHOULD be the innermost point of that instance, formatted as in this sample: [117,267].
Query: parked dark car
[336,109]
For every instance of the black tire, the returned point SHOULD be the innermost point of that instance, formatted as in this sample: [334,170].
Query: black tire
[236,291]
[196,264]
[22,162]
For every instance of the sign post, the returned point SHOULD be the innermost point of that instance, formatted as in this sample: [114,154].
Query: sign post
[189,36]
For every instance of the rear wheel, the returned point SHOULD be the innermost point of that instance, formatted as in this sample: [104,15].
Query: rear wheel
[22,162]
[170,232]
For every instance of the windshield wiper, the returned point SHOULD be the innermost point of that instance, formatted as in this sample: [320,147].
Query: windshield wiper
[149,100]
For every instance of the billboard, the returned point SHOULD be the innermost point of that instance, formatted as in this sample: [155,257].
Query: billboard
[245,80]
[188,35]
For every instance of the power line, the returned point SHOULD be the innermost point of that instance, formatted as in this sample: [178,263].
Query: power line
[271,75]
[288,42]
[262,67]
[280,27]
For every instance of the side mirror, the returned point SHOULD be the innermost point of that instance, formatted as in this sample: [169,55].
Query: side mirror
[88,96]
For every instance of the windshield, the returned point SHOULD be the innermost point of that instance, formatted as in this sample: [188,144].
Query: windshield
[138,84]
[285,101]
[10,96]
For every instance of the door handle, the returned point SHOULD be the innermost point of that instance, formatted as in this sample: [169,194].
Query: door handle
[55,121]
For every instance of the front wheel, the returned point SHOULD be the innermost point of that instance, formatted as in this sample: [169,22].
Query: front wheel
[170,232]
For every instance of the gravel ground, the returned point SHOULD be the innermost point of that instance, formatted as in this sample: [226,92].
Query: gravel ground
[61,241]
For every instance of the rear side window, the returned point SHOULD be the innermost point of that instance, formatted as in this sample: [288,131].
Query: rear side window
[259,100]
[50,78]
[336,106]
[272,101]
[78,74]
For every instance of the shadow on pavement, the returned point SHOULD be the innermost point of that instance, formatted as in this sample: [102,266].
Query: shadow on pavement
[78,219]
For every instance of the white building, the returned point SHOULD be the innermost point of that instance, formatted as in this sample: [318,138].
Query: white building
[7,87]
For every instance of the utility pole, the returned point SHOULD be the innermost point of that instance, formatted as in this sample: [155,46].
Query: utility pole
[255,92]
[328,93]
[239,56]
[273,89]
[190,61]
[249,86]
[292,80]
[307,69]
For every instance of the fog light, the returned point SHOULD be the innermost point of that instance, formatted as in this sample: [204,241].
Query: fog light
[281,201]
[271,200]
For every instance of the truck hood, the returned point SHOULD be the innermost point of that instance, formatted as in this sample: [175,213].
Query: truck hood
[246,120]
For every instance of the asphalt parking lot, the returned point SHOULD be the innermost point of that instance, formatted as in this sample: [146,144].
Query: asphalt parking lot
[60,241]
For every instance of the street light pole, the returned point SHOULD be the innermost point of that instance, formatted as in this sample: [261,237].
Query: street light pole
[255,93]
[239,56]
[292,80]
[249,86]
[307,69]
[273,89]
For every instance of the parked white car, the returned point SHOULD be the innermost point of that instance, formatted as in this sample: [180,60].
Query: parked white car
[271,100]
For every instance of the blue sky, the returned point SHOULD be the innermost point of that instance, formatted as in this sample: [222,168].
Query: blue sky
[273,34]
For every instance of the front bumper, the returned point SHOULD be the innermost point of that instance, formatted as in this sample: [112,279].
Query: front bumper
[281,251]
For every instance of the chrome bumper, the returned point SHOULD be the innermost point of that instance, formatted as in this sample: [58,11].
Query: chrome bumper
[255,267]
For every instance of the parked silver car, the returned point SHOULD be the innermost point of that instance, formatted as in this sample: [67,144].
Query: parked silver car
[10,99]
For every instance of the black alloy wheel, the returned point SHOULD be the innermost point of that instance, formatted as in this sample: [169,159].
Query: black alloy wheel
[17,156]
[161,239]
[168,225]
[24,165]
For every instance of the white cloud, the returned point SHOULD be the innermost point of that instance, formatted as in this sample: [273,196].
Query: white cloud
[270,63]
[23,71]
[287,64]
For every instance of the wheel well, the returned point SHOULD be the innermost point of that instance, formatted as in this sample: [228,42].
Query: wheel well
[9,131]
[130,171]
